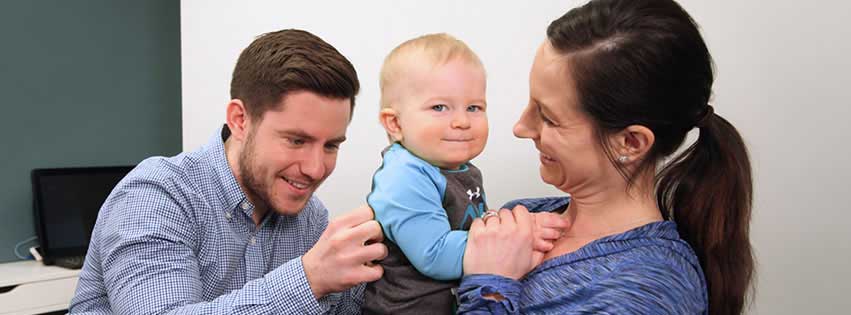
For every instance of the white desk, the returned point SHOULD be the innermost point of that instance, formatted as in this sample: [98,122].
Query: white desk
[29,287]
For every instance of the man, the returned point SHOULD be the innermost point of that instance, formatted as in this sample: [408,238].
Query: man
[233,227]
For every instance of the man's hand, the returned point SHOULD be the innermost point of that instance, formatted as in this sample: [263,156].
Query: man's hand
[342,256]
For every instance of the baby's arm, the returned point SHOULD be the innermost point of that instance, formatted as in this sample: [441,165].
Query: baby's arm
[408,202]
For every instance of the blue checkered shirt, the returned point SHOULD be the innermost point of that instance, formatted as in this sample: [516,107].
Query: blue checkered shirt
[176,236]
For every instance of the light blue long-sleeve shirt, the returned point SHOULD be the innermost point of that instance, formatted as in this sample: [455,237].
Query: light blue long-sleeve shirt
[407,197]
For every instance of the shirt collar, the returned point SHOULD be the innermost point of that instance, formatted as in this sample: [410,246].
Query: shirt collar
[230,194]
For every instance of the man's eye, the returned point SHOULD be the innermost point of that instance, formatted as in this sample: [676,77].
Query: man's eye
[439,108]
[332,147]
[295,141]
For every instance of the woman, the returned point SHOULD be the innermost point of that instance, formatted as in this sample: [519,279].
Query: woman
[613,91]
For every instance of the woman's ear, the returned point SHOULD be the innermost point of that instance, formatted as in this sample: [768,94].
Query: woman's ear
[237,119]
[632,143]
[389,118]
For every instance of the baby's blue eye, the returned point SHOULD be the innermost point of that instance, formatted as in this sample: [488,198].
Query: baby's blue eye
[474,108]
[439,108]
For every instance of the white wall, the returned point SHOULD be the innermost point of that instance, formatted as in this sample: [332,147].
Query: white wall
[782,67]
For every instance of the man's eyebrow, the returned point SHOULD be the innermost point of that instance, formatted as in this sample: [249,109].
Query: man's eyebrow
[296,133]
[304,135]
[338,140]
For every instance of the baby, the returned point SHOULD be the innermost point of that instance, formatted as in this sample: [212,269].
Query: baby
[426,192]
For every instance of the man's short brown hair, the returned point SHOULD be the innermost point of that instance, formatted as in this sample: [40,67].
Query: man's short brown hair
[290,60]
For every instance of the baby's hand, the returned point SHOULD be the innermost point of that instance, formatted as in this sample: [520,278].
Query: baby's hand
[548,229]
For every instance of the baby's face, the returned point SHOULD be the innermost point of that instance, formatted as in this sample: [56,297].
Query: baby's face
[442,114]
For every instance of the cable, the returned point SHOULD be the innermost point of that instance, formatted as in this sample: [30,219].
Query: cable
[17,246]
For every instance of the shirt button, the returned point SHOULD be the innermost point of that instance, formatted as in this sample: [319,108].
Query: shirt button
[244,205]
[227,215]
[252,240]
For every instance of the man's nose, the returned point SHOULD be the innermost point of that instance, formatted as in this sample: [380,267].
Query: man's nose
[312,164]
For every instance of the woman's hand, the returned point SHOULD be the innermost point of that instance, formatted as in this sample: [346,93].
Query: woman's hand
[502,245]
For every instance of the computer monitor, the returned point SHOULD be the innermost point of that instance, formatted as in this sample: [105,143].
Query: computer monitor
[66,202]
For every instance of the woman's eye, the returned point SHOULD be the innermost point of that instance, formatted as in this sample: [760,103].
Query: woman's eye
[547,121]
[439,108]
[544,118]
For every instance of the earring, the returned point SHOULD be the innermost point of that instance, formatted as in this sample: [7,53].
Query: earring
[623,159]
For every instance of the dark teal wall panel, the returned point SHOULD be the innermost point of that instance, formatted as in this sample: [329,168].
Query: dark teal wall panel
[84,83]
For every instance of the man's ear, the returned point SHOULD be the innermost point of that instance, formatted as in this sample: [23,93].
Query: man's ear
[237,119]
[632,144]
[389,118]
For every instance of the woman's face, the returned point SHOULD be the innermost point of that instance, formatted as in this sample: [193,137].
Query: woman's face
[570,156]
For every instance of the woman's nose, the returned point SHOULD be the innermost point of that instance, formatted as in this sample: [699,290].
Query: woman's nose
[525,126]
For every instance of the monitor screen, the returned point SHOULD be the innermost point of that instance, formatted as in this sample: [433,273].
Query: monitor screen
[66,205]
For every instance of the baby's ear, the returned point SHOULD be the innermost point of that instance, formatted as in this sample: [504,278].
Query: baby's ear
[389,118]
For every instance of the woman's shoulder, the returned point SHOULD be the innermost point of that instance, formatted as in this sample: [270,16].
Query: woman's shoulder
[656,245]
[644,270]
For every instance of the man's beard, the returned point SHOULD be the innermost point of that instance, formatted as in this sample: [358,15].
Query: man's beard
[249,176]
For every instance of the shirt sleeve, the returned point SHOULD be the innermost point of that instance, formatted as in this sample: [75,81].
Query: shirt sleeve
[474,288]
[149,265]
[407,197]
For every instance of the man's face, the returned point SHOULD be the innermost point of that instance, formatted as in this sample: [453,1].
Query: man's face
[292,149]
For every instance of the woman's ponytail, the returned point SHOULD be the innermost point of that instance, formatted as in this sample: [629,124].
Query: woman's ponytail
[707,191]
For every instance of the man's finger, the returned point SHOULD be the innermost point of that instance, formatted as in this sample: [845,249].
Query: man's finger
[368,231]
[371,252]
[369,273]
[355,217]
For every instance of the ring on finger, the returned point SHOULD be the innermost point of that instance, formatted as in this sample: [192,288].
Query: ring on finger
[489,214]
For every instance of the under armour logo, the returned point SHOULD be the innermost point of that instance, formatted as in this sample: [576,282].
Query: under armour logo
[478,193]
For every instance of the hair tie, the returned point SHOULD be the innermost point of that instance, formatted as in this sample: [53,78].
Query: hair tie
[705,116]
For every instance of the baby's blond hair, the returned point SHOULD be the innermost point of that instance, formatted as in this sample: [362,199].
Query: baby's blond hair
[425,51]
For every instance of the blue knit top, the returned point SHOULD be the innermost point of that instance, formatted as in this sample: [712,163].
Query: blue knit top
[646,270]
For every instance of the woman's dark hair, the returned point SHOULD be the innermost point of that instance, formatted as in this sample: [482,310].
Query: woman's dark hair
[644,62]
